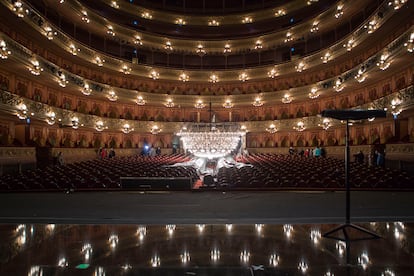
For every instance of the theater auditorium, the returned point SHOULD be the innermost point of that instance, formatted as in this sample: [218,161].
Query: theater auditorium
[211,114]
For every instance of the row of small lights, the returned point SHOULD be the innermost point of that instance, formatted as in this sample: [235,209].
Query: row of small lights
[200,50]
[301,66]
[363,259]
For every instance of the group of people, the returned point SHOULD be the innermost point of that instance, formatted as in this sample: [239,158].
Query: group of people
[316,152]
[103,153]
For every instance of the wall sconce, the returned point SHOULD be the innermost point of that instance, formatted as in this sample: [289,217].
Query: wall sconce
[140,100]
[314,93]
[99,61]
[51,118]
[35,69]
[22,111]
[213,78]
[199,104]
[289,37]
[49,33]
[228,104]
[126,128]
[360,76]
[112,96]
[99,126]
[395,107]
[73,50]
[180,21]
[114,5]
[326,123]
[183,77]
[168,47]
[62,79]
[19,10]
[257,102]
[300,67]
[349,45]
[315,27]
[86,90]
[272,73]
[300,126]
[286,99]
[247,20]
[155,130]
[85,17]
[243,76]
[75,123]
[146,15]
[213,23]
[397,3]
[169,103]
[410,43]
[137,40]
[325,58]
[259,45]
[383,64]
[154,75]
[110,30]
[4,52]
[227,49]
[280,12]
[125,69]
[338,85]
[339,11]
[271,129]
[200,50]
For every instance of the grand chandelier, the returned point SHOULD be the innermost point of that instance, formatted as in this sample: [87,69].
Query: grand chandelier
[211,140]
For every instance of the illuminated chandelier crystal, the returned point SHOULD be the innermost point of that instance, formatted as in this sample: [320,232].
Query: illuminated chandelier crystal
[4,52]
[211,140]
